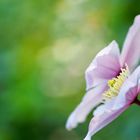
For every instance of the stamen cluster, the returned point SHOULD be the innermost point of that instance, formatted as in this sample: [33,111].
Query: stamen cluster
[116,83]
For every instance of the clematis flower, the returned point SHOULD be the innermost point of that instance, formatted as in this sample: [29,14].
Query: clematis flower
[112,83]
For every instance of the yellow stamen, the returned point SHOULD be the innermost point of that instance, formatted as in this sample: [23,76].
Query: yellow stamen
[116,83]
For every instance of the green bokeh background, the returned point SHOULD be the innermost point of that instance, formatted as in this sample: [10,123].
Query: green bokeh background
[45,47]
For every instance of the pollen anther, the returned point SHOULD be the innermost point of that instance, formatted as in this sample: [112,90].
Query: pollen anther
[116,83]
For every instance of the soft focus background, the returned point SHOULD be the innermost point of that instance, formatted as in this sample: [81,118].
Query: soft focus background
[45,47]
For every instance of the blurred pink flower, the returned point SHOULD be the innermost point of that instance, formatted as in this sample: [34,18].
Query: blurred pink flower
[112,83]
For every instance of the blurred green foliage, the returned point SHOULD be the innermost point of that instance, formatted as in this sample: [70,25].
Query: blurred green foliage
[45,47]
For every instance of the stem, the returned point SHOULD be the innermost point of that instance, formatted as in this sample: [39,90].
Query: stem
[137,102]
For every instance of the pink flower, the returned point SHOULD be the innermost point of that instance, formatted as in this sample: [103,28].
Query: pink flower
[112,83]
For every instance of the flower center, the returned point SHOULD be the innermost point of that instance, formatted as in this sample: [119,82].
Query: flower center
[116,83]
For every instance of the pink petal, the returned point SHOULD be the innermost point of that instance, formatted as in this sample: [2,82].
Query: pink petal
[107,106]
[92,98]
[129,90]
[106,65]
[100,120]
[131,49]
